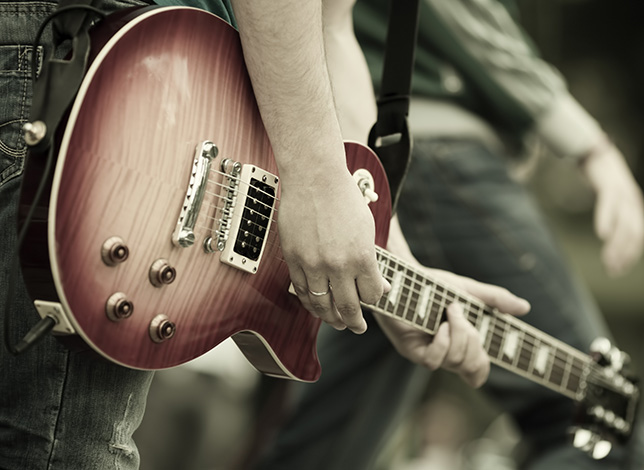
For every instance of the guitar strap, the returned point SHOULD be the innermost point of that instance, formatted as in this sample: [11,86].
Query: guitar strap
[389,137]
[58,81]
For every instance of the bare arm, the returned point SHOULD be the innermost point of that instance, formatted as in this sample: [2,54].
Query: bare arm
[326,231]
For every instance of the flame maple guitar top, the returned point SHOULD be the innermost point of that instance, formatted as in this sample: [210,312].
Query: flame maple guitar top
[166,81]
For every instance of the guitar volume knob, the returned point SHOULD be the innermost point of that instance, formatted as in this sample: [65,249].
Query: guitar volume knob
[162,329]
[118,307]
[114,251]
[161,273]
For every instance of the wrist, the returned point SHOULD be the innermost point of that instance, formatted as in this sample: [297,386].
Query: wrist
[601,147]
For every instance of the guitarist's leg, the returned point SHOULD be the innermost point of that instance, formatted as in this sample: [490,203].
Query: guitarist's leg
[487,227]
[58,410]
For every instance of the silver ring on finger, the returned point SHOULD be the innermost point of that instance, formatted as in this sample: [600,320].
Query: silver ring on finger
[320,294]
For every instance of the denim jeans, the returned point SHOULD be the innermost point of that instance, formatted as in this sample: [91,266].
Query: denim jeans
[58,409]
[460,211]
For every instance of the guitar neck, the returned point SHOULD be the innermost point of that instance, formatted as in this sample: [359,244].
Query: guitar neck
[417,299]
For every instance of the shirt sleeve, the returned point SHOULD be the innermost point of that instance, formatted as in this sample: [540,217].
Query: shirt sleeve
[484,42]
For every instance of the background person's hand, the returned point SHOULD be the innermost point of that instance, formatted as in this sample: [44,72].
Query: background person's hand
[619,210]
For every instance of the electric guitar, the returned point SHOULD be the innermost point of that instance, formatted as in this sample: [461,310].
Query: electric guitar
[156,241]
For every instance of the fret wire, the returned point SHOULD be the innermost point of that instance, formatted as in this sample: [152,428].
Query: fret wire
[503,335]
[518,345]
[415,298]
[410,292]
[562,361]
[567,372]
[477,316]
[551,341]
[388,274]
[495,338]
[440,294]
[430,303]
[400,278]
[527,349]
[577,378]
[441,308]
[489,334]
[549,362]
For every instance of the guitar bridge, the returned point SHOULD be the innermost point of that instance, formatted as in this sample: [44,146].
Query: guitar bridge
[249,205]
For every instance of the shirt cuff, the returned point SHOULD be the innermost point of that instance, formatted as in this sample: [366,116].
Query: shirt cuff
[568,130]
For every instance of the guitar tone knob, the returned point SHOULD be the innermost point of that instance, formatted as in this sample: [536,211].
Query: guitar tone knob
[114,251]
[162,329]
[118,307]
[161,273]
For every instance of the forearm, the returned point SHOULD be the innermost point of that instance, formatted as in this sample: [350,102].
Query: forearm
[352,87]
[284,53]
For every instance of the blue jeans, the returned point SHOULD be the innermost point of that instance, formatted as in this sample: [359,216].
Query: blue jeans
[58,409]
[460,211]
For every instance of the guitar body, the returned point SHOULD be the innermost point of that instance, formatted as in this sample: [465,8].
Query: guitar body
[163,83]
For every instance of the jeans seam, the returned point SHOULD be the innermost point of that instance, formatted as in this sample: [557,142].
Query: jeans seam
[59,413]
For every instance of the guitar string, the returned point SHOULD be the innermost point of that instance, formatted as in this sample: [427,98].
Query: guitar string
[574,364]
[566,367]
[529,340]
[448,297]
[495,338]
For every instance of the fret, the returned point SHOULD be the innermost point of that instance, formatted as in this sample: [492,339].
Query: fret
[394,294]
[574,379]
[526,354]
[436,310]
[477,311]
[466,309]
[388,273]
[549,363]
[511,345]
[556,368]
[496,341]
[426,297]
[522,336]
[414,304]
[567,372]
[486,338]
[540,364]
[504,337]
[410,283]
[421,301]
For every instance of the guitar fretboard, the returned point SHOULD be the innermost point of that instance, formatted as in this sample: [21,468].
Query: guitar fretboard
[419,300]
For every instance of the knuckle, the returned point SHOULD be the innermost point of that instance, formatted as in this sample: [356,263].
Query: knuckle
[372,296]
[300,290]
[319,307]
[347,311]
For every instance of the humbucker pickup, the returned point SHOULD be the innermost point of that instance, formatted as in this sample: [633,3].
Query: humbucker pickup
[250,218]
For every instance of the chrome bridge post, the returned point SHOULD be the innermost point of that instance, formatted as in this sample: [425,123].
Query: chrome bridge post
[184,235]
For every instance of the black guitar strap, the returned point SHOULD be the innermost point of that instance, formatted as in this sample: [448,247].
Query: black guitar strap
[59,80]
[389,137]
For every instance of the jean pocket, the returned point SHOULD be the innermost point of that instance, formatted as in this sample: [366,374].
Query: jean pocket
[15,99]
